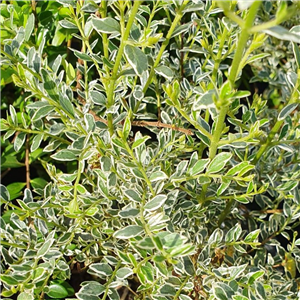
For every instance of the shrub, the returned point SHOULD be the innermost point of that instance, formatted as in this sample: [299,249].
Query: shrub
[167,175]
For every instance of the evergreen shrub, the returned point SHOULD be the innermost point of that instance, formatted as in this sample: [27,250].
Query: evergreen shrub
[160,143]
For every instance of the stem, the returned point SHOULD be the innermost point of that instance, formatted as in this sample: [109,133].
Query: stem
[242,42]
[162,49]
[113,79]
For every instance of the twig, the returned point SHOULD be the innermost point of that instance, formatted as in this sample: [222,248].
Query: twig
[157,124]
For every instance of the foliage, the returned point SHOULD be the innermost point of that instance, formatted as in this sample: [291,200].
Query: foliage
[164,175]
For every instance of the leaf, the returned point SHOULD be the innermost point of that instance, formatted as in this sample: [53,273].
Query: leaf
[19,141]
[159,175]
[252,236]
[140,141]
[223,187]
[59,290]
[199,166]
[165,72]
[257,57]
[167,290]
[66,104]
[98,98]
[281,33]
[156,202]
[64,155]
[254,276]
[29,27]
[4,194]
[42,112]
[219,162]
[233,234]
[36,142]
[128,232]
[123,273]
[137,59]
[8,279]
[13,115]
[67,24]
[133,195]
[286,111]
[102,269]
[106,25]
[25,296]
[90,290]
[46,246]
[126,127]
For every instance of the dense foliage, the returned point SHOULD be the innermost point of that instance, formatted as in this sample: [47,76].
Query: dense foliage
[159,147]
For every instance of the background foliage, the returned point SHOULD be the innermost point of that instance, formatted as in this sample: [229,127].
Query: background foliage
[150,150]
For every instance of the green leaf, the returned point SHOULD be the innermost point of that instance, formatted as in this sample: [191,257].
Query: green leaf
[128,232]
[10,161]
[199,166]
[67,24]
[4,193]
[90,290]
[29,27]
[140,141]
[168,290]
[123,273]
[19,141]
[234,233]
[4,125]
[183,250]
[25,296]
[8,279]
[133,195]
[165,72]
[106,25]
[156,202]
[36,142]
[252,236]
[100,269]
[137,59]
[281,33]
[126,127]
[223,187]
[219,162]
[64,155]
[42,112]
[59,290]
[13,115]
[15,189]
[257,57]
[286,111]
[296,49]
[254,276]
[66,104]
[46,246]
[159,175]
[98,98]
